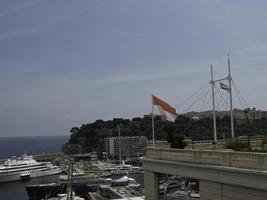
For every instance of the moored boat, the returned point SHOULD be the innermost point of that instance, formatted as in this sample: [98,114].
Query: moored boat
[122,188]
[26,167]
[65,197]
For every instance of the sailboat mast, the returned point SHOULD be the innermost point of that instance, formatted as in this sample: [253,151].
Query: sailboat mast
[69,185]
[213,105]
[231,99]
[70,180]
[119,130]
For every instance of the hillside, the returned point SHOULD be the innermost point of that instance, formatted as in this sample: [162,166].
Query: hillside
[91,136]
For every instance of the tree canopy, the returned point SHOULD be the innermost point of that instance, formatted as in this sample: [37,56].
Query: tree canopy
[91,136]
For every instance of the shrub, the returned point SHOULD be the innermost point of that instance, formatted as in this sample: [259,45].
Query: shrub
[236,145]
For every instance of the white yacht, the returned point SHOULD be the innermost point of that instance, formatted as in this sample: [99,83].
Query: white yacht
[18,168]
[65,197]
[124,188]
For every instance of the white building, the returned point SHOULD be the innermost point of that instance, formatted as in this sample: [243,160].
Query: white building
[131,146]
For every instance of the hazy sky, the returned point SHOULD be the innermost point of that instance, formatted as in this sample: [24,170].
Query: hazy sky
[68,62]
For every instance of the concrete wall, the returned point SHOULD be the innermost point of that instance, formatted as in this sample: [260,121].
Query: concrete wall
[247,160]
[151,186]
[217,191]
[216,181]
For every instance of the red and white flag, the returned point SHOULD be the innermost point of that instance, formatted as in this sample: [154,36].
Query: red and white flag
[163,108]
[224,86]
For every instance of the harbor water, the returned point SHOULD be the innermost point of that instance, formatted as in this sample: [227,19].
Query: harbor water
[16,190]
[34,145]
[16,146]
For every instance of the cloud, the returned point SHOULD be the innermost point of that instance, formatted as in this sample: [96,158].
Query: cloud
[70,116]
[62,60]
[258,50]
[17,7]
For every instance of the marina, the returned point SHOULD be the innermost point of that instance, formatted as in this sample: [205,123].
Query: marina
[87,176]
[90,184]
[85,179]
[119,189]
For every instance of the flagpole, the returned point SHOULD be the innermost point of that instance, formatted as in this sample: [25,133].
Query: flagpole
[231,99]
[213,105]
[152,121]
[229,89]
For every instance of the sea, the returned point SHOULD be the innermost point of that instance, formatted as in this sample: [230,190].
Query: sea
[16,146]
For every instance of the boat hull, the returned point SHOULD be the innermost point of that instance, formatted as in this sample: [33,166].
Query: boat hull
[52,190]
[16,176]
[43,191]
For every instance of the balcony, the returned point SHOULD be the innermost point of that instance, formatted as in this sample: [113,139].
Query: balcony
[246,160]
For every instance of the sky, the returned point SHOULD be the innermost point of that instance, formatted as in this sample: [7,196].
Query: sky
[64,63]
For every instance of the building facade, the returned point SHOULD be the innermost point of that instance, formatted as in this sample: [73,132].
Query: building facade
[131,147]
[241,116]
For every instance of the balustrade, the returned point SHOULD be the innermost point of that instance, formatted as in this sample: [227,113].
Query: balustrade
[246,160]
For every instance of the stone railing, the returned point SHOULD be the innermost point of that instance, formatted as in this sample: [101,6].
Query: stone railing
[245,160]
